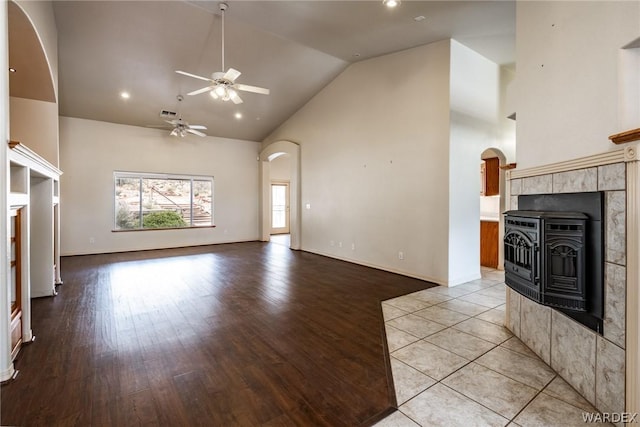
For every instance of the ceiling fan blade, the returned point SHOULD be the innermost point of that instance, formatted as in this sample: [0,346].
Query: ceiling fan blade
[233,95]
[174,132]
[254,89]
[196,132]
[172,122]
[197,127]
[184,73]
[231,74]
[199,91]
[158,126]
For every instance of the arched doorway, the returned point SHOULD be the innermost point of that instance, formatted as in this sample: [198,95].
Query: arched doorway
[268,154]
[492,204]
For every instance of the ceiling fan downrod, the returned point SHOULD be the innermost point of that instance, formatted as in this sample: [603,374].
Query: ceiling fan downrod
[223,7]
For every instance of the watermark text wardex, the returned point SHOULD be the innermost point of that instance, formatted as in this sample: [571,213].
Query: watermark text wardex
[610,417]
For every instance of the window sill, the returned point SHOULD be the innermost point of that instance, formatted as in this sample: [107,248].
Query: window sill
[167,228]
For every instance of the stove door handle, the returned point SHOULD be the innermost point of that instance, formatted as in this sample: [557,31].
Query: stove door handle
[534,263]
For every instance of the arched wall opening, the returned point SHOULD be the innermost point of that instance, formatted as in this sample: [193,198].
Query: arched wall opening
[268,154]
[499,205]
[33,78]
[29,113]
[32,41]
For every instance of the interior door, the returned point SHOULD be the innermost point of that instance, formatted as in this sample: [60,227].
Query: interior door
[16,284]
[279,208]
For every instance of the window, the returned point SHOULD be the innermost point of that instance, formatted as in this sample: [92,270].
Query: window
[152,201]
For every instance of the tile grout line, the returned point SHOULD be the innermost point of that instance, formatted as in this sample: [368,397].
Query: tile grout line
[540,391]
[512,420]
[495,345]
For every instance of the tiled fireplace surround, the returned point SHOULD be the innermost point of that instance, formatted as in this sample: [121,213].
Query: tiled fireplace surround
[593,364]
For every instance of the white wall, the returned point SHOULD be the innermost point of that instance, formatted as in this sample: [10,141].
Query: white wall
[507,137]
[374,163]
[567,84]
[91,151]
[475,126]
[35,124]
[6,365]
[629,87]
[280,168]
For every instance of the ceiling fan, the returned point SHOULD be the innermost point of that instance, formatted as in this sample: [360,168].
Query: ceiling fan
[180,127]
[222,84]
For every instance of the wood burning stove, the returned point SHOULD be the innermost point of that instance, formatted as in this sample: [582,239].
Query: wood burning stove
[544,257]
[553,254]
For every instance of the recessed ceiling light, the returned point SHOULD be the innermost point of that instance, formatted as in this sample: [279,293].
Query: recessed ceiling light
[238,116]
[125,95]
[391,3]
[12,70]
[419,18]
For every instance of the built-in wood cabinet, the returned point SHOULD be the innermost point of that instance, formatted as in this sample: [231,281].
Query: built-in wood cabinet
[491,176]
[15,285]
[489,243]
[34,239]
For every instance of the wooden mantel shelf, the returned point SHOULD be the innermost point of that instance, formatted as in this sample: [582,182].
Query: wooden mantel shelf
[628,136]
[508,166]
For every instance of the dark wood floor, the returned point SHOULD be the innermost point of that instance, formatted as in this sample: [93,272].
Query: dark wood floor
[243,334]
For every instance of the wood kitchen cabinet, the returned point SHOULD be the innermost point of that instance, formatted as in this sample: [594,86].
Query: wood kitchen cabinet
[489,244]
[491,176]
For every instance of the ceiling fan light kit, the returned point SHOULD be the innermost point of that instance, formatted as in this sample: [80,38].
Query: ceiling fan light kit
[391,3]
[222,84]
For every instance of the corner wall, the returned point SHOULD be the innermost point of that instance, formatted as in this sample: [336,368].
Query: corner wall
[568,76]
[477,123]
[375,163]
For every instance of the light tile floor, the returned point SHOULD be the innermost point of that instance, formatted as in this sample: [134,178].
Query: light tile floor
[454,364]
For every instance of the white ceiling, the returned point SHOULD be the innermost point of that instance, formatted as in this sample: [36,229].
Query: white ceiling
[294,48]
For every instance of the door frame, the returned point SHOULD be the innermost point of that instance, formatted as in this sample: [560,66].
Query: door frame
[286,228]
[271,152]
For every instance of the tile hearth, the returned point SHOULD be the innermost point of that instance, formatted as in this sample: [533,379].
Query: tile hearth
[455,364]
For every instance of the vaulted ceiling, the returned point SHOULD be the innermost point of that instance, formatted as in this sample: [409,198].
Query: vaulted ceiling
[294,48]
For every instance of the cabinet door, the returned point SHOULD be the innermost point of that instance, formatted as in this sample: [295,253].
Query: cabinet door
[492,177]
[489,244]
[15,285]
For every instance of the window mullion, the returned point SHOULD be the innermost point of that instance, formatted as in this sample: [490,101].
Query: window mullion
[191,203]
[140,204]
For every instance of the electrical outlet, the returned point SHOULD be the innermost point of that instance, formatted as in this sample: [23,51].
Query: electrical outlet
[332,243]
[92,240]
[339,244]
[353,246]
[400,255]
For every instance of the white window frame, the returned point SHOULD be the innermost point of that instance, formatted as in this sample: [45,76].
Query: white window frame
[146,175]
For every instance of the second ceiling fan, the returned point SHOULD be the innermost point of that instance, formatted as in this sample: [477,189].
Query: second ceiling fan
[223,84]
